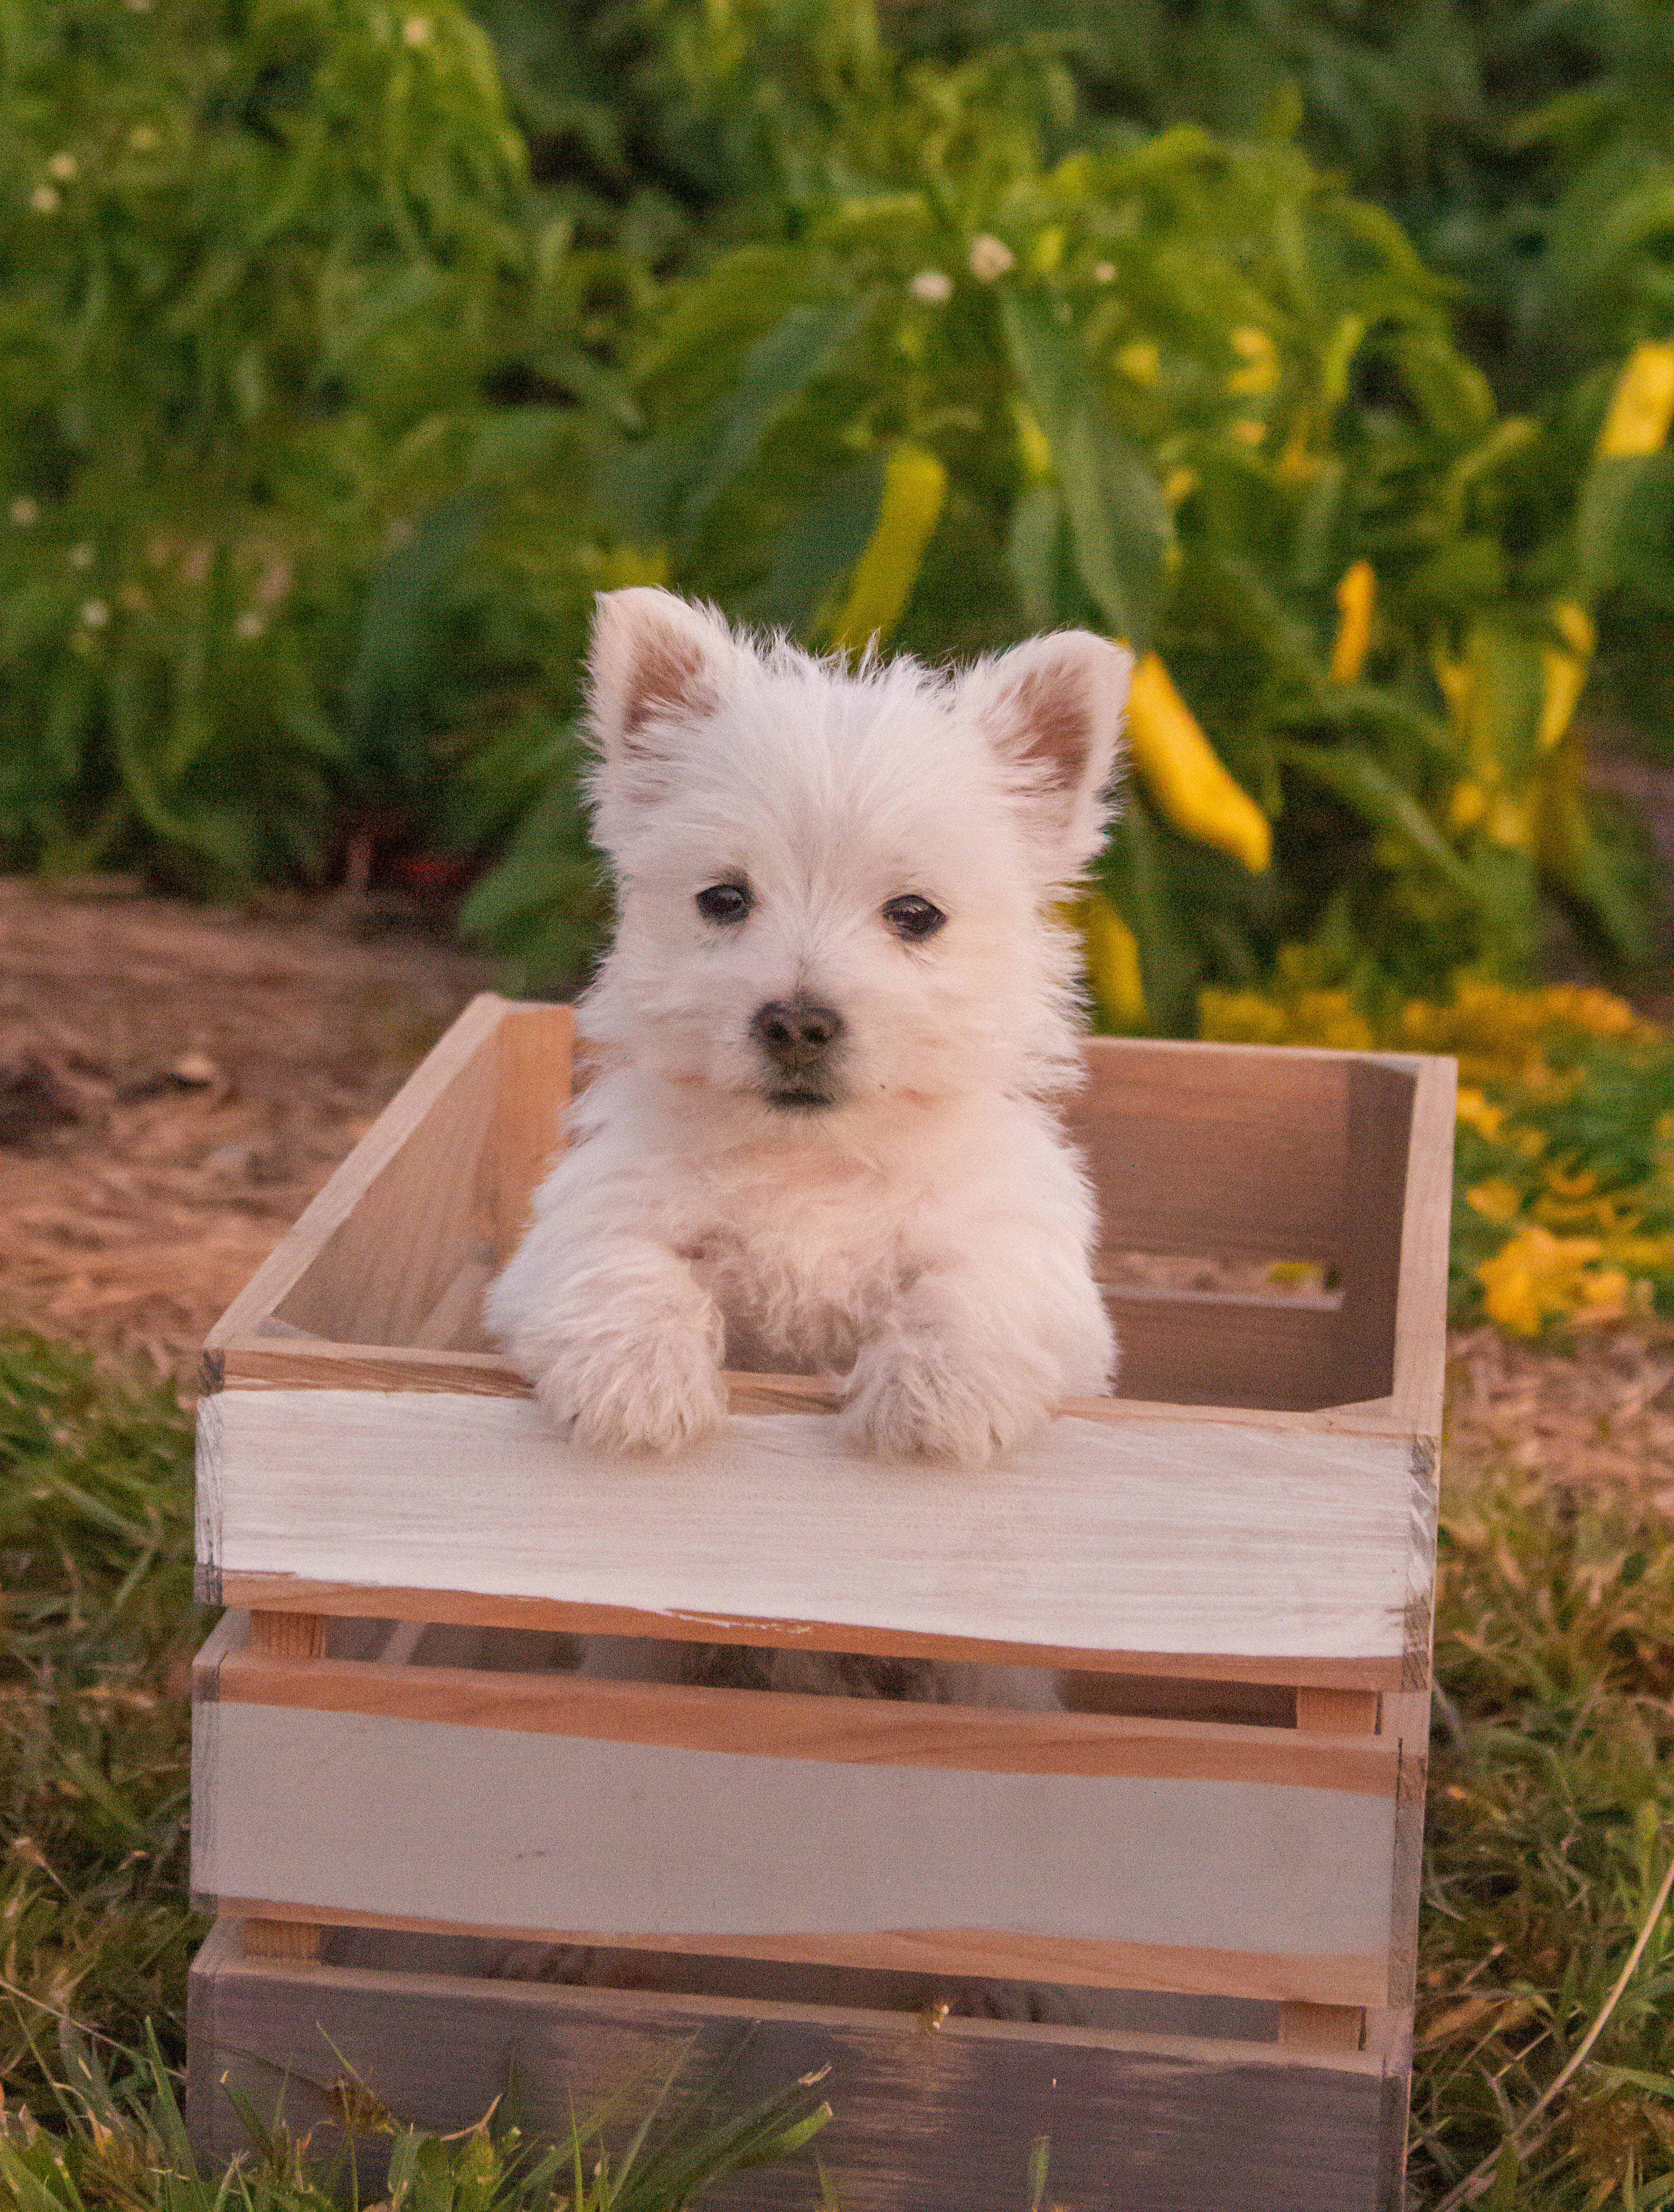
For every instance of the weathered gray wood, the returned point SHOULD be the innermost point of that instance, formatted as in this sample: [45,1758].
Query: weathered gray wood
[941,2120]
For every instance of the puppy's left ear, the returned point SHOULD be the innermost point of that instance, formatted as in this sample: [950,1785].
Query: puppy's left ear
[1053,712]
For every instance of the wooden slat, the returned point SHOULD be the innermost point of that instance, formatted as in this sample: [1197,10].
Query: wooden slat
[1347,1712]
[1120,1878]
[466,1052]
[1194,1347]
[455,1320]
[1173,2123]
[1210,1149]
[1166,1538]
[979,1953]
[780,1725]
[287,1635]
[301,1361]
[467,1610]
[298,1941]
[536,1048]
[1380,1108]
[1421,1343]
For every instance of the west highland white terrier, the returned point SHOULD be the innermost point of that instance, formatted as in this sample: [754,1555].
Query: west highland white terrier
[836,1013]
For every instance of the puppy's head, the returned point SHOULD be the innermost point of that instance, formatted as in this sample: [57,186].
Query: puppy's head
[835,889]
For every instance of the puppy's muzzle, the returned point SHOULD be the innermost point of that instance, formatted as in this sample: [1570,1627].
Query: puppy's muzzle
[800,1039]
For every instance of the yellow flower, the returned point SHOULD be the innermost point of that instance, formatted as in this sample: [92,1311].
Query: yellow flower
[915,487]
[1495,1201]
[1467,803]
[1564,669]
[1356,596]
[1642,404]
[1478,1113]
[1112,961]
[1260,372]
[1185,775]
[1508,821]
[1140,361]
[1536,1277]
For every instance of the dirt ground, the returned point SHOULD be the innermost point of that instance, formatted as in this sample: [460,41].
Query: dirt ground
[177,1082]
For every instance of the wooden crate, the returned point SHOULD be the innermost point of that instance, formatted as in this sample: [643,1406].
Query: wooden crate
[398,1789]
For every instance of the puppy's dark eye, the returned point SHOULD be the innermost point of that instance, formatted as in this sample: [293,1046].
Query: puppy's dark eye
[912,918]
[725,901]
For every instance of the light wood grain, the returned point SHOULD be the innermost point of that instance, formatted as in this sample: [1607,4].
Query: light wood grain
[536,1045]
[455,1320]
[287,1635]
[1166,1538]
[296,1940]
[1322,2028]
[338,1815]
[1344,1712]
[463,1051]
[780,1725]
[1165,2123]
[1421,1341]
[1258,1977]
[468,1610]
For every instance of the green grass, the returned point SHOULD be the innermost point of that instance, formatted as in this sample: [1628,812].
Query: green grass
[1551,1828]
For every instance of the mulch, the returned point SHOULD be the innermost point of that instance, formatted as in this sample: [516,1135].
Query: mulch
[176,1083]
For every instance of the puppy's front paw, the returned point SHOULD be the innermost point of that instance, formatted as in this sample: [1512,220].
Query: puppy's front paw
[913,1400]
[657,1392]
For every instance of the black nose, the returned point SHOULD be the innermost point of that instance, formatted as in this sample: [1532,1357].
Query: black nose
[796,1032]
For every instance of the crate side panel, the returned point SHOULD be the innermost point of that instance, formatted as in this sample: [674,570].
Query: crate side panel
[1380,1108]
[1214,1149]
[918,2119]
[420,1225]
[331,1812]
[1196,1349]
[1141,1536]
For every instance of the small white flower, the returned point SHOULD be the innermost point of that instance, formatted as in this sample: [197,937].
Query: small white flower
[140,6]
[416,30]
[80,556]
[935,286]
[1103,272]
[24,512]
[990,257]
[95,614]
[143,139]
[66,168]
[251,623]
[43,199]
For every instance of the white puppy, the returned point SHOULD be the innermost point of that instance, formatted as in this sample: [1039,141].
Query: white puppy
[837,1004]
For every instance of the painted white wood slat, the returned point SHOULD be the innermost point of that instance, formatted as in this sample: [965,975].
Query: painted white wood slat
[1144,1535]
[373,1813]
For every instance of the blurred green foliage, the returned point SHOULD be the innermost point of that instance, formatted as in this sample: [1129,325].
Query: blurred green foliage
[345,353]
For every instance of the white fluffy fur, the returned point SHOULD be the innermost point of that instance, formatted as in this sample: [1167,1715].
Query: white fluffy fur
[926,1235]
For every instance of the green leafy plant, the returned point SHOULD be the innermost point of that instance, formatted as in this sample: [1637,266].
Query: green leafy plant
[1176,388]
[264,271]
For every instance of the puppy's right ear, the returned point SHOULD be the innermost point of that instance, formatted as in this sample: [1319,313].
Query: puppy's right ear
[655,662]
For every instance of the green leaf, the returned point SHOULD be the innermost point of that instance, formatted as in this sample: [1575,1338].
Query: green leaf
[1119,524]
[776,374]
[1356,777]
